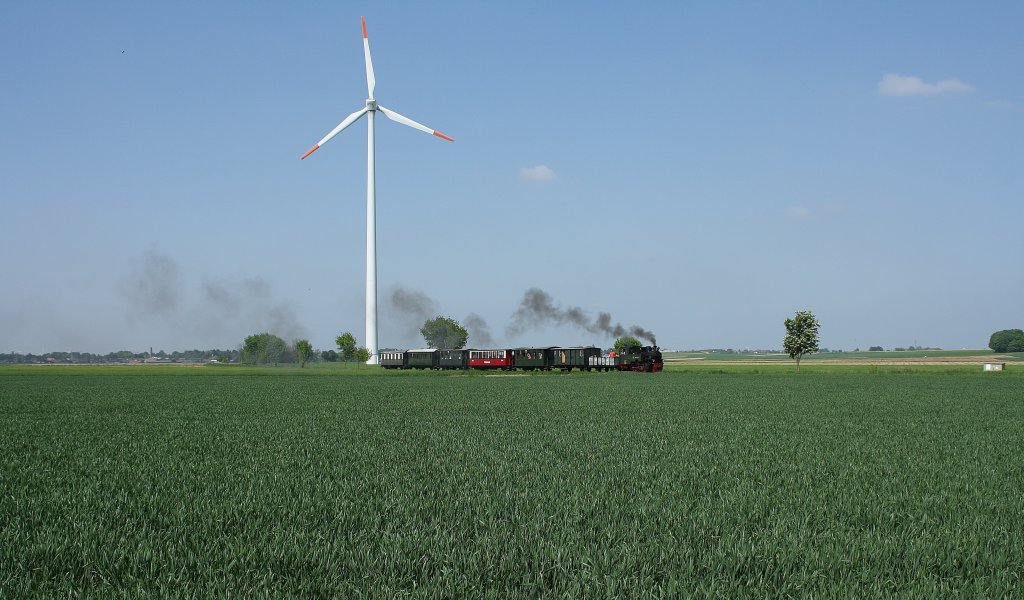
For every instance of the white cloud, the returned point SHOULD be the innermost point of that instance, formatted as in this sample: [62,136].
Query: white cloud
[798,213]
[538,173]
[894,84]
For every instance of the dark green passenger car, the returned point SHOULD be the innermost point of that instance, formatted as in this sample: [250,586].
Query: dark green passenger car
[530,359]
[422,359]
[453,359]
[568,359]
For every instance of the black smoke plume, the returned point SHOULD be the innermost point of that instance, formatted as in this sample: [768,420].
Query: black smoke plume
[419,307]
[158,296]
[416,304]
[250,300]
[479,333]
[537,308]
[414,308]
[155,287]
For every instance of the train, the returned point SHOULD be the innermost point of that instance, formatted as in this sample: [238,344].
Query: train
[646,359]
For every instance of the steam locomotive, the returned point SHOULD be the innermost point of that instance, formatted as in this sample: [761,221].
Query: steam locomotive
[589,358]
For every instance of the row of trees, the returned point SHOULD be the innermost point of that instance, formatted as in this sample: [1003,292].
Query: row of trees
[121,356]
[896,349]
[269,349]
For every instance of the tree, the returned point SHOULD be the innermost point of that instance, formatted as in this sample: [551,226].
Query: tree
[346,345]
[264,348]
[624,342]
[329,356]
[362,355]
[303,350]
[1007,340]
[801,335]
[252,349]
[444,332]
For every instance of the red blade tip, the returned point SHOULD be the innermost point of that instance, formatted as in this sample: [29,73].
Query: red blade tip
[441,135]
[363,19]
[310,151]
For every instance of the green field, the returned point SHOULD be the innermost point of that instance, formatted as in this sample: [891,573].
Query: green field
[218,481]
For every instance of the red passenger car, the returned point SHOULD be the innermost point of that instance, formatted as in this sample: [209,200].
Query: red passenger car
[490,359]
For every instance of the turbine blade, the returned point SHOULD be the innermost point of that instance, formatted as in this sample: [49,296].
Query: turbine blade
[352,118]
[407,121]
[371,82]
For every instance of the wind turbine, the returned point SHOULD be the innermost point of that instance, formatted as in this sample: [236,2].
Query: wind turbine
[371,195]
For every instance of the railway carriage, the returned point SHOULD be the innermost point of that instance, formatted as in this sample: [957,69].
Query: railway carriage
[392,360]
[426,358]
[490,359]
[604,363]
[568,359]
[453,359]
[532,359]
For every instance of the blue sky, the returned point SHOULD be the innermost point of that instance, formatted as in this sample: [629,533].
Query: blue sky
[701,170]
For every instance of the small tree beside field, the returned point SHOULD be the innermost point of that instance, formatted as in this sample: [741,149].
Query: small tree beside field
[346,346]
[801,335]
[303,350]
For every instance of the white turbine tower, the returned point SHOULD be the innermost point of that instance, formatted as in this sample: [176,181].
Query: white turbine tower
[371,196]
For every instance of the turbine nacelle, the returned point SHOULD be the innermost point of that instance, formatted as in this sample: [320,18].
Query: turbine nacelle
[371,104]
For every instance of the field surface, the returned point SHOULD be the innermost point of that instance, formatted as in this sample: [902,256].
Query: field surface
[218,481]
